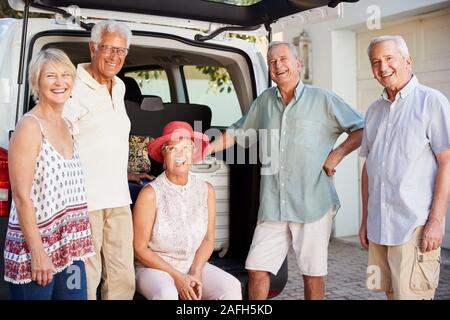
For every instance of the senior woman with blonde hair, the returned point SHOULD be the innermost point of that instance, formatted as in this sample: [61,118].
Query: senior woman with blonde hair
[174,223]
[48,236]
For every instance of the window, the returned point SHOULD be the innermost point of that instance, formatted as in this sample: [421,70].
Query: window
[212,86]
[152,82]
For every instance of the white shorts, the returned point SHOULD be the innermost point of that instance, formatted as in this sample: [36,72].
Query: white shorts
[272,239]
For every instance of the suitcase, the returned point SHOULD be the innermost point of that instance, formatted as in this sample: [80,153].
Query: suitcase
[217,173]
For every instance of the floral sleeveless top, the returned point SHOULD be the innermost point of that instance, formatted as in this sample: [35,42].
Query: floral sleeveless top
[59,202]
[181,220]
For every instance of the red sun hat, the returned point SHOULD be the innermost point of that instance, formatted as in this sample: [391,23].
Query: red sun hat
[174,131]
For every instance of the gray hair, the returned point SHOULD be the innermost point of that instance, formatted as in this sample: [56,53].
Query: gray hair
[399,41]
[288,44]
[110,26]
[50,55]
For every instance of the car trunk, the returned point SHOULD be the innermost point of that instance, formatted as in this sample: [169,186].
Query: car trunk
[243,185]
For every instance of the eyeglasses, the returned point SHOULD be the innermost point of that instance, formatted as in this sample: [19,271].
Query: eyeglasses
[110,49]
[177,148]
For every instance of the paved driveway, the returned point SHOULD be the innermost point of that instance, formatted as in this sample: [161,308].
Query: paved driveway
[346,280]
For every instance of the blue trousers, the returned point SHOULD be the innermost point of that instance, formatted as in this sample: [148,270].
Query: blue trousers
[69,284]
[135,188]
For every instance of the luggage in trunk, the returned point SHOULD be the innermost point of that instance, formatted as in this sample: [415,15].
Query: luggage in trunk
[217,173]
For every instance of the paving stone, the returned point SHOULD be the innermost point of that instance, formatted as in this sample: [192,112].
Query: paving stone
[346,279]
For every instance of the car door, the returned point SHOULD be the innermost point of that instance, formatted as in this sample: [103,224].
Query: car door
[199,14]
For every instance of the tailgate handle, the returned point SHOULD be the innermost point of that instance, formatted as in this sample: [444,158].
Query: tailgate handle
[205,168]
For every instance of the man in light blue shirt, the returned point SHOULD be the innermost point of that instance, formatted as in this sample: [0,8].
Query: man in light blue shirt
[298,200]
[406,176]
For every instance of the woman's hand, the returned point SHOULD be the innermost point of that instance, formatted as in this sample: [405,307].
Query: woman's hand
[138,177]
[42,268]
[196,283]
[185,285]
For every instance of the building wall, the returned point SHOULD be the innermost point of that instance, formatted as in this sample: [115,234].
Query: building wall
[334,66]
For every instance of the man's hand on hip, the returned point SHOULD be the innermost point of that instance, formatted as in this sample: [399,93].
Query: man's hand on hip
[334,158]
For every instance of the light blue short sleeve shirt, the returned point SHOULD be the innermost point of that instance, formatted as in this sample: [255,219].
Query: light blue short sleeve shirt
[300,136]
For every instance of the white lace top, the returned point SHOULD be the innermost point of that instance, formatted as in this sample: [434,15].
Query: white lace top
[181,220]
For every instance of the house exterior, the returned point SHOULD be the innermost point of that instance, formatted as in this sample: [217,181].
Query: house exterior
[339,62]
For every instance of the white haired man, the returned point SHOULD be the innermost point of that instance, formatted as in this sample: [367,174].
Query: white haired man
[298,199]
[101,129]
[406,176]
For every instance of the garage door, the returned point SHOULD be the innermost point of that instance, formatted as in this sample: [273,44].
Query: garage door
[427,37]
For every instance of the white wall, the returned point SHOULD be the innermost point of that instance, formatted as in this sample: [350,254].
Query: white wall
[343,44]
[334,68]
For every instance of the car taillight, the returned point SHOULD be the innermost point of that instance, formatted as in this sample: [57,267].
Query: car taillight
[273,293]
[5,191]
